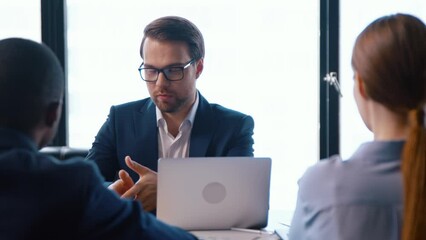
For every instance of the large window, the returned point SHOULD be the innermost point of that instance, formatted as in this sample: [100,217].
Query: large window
[261,59]
[20,18]
[355,16]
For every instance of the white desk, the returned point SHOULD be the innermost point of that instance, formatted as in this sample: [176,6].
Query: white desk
[233,235]
[276,218]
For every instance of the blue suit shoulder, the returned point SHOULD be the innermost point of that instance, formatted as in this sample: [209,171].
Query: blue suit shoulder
[226,112]
[222,113]
[75,165]
[134,105]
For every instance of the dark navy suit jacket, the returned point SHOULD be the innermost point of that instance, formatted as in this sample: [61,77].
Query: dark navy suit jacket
[131,129]
[42,198]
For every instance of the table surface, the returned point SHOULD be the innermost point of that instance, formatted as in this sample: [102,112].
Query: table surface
[278,221]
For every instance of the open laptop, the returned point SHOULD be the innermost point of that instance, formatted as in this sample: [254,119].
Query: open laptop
[212,193]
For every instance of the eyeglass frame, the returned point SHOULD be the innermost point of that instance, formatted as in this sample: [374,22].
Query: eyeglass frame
[162,70]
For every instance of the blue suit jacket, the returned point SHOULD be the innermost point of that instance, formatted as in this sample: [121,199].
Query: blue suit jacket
[42,198]
[131,129]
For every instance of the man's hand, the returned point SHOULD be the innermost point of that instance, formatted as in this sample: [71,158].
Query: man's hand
[123,184]
[145,189]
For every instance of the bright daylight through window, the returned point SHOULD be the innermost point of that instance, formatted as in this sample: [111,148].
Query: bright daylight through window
[261,59]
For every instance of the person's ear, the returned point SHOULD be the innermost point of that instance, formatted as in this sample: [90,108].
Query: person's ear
[361,85]
[53,113]
[199,67]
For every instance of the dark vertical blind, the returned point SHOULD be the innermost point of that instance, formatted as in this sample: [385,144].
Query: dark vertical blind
[329,62]
[53,20]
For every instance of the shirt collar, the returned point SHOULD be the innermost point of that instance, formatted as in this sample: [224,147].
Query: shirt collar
[380,151]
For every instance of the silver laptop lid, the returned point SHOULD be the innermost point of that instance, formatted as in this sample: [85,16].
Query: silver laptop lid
[208,193]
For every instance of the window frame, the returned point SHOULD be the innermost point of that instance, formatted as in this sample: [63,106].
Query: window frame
[53,34]
[329,143]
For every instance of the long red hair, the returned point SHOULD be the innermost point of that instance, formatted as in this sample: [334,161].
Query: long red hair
[390,58]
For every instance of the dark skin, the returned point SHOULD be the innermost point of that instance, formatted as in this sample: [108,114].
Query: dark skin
[46,129]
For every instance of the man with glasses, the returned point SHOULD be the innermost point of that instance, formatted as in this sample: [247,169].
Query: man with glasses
[176,121]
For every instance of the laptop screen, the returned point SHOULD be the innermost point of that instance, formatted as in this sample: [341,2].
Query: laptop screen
[210,193]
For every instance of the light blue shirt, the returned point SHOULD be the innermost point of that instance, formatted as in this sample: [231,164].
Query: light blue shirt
[360,198]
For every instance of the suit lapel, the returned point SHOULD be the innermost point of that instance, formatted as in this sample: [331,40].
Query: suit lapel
[147,137]
[145,120]
[203,129]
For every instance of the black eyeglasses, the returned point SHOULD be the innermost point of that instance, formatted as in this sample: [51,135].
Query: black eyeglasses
[150,74]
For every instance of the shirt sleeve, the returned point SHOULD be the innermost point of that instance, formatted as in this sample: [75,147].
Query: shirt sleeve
[296,227]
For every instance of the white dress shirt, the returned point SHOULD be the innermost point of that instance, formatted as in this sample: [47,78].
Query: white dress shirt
[175,147]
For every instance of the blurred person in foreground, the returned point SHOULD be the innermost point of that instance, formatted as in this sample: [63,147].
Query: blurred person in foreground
[40,197]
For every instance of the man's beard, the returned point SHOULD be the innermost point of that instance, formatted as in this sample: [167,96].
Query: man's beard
[170,107]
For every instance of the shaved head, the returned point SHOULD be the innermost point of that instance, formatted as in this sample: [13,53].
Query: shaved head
[31,78]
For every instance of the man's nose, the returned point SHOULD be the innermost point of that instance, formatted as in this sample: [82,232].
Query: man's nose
[162,80]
